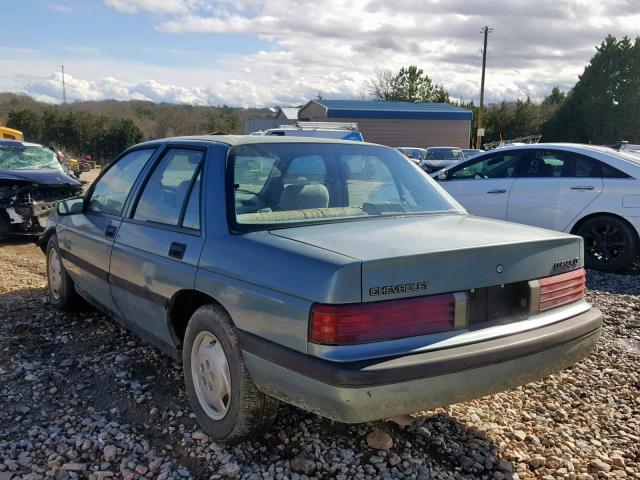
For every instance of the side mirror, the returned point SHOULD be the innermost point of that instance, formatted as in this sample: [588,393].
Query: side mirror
[70,206]
[443,175]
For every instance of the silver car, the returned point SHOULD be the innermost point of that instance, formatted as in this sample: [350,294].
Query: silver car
[437,158]
[332,275]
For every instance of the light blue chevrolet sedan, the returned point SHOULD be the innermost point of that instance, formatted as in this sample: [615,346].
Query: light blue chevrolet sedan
[332,275]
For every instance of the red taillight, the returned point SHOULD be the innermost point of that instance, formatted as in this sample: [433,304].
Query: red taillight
[561,289]
[375,321]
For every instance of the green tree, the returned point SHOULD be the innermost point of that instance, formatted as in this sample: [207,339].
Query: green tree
[410,84]
[526,119]
[120,135]
[604,106]
[27,121]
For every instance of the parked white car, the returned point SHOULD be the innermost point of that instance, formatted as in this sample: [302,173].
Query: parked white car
[587,190]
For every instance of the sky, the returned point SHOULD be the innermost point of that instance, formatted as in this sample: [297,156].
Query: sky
[252,53]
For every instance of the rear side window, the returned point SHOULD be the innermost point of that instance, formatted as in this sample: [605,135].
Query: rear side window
[111,191]
[548,163]
[192,212]
[609,172]
[565,164]
[169,187]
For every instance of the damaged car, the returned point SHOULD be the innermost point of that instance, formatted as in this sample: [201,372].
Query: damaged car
[31,182]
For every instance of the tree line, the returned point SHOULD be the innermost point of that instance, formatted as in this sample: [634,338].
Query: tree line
[104,129]
[602,108]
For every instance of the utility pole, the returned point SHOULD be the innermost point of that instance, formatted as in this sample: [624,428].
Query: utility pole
[64,90]
[480,131]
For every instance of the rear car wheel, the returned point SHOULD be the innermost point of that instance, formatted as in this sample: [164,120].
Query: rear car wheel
[609,243]
[224,398]
[62,292]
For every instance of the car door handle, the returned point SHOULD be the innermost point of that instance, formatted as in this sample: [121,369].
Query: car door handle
[583,187]
[497,190]
[110,231]
[176,250]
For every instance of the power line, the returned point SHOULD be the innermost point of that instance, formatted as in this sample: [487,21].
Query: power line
[480,132]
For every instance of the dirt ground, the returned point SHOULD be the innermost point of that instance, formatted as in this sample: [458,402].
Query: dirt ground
[83,398]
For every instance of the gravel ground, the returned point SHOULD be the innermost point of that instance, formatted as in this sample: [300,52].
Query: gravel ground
[82,398]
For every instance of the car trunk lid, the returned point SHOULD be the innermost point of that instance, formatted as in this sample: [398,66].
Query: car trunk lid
[429,254]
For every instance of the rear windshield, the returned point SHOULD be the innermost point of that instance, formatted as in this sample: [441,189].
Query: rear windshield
[444,154]
[413,152]
[288,183]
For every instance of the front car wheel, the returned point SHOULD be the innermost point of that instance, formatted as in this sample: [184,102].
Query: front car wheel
[62,292]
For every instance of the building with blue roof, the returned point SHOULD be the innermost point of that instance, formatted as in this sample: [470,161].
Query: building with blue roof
[397,124]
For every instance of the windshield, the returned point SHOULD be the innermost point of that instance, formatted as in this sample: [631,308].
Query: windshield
[444,154]
[416,153]
[285,183]
[26,158]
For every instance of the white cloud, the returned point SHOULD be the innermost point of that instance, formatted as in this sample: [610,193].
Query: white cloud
[153,6]
[58,7]
[333,46]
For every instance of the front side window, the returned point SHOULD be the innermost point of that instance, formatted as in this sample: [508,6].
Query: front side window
[501,165]
[278,184]
[169,186]
[112,189]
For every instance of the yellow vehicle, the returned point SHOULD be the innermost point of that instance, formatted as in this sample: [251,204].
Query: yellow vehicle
[7,133]
[73,165]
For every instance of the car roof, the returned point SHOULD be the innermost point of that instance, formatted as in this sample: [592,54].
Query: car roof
[234,140]
[608,152]
[561,145]
[18,143]
[444,146]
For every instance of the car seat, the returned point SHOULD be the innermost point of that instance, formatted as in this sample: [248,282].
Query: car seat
[300,197]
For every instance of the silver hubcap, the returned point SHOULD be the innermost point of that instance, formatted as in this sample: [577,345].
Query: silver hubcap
[210,375]
[55,274]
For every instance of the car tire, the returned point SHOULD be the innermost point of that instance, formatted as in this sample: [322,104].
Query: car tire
[609,243]
[228,409]
[62,291]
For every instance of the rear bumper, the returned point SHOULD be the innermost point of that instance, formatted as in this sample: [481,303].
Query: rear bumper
[370,390]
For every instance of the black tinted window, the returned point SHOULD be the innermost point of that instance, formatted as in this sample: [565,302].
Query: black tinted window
[167,188]
[610,172]
[584,167]
[499,165]
[560,163]
[546,163]
[111,191]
